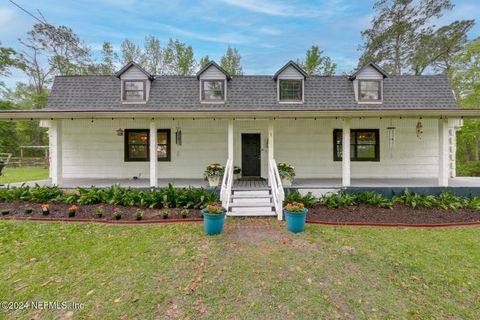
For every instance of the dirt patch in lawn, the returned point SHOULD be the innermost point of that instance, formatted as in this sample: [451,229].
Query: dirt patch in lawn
[399,214]
[60,210]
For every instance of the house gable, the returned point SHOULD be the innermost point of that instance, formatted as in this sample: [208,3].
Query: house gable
[368,73]
[135,73]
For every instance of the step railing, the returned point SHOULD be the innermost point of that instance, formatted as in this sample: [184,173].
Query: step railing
[227,182]
[275,182]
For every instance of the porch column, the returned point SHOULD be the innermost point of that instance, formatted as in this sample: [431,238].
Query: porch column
[153,155]
[56,165]
[230,139]
[270,140]
[346,153]
[443,152]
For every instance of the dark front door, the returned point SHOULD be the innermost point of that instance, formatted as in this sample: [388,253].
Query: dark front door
[251,155]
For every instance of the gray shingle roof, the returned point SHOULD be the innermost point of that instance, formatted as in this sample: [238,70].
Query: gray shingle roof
[245,93]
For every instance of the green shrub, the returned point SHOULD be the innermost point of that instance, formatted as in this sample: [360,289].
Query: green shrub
[337,200]
[449,201]
[473,203]
[308,200]
[374,199]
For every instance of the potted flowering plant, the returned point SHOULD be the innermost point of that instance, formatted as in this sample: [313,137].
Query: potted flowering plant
[286,172]
[117,213]
[72,211]
[213,218]
[99,212]
[184,212]
[237,171]
[213,173]
[138,214]
[295,215]
[45,209]
[28,210]
[165,211]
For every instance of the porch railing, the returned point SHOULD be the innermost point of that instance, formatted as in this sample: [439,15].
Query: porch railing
[278,194]
[227,182]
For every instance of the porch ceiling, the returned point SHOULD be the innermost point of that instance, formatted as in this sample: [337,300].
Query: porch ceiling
[125,114]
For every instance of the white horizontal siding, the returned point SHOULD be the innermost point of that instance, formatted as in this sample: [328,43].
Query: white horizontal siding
[290,73]
[212,73]
[93,150]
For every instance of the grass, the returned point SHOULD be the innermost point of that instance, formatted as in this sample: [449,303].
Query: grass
[11,175]
[174,271]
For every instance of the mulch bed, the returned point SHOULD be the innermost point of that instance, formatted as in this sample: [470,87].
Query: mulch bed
[60,210]
[400,214]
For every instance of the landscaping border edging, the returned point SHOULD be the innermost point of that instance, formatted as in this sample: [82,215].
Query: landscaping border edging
[190,220]
[137,222]
[396,225]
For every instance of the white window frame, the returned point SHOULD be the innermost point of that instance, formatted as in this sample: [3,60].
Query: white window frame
[290,101]
[213,101]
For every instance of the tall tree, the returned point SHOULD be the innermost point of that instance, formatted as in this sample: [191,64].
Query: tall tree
[394,33]
[108,59]
[465,74]
[152,55]
[179,58]
[8,59]
[66,53]
[130,52]
[437,49]
[230,62]
[9,141]
[204,61]
[316,63]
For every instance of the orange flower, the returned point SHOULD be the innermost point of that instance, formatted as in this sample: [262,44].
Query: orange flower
[73,208]
[302,205]
[45,206]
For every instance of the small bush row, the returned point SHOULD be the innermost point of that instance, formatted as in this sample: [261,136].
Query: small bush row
[171,197]
[445,200]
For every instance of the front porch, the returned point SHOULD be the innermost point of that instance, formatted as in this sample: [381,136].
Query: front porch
[316,183]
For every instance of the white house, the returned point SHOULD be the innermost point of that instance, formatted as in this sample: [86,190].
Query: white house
[338,131]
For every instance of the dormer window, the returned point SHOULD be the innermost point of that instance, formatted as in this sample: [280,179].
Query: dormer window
[370,90]
[134,90]
[213,90]
[291,90]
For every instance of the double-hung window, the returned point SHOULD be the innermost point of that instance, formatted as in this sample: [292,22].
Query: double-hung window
[137,145]
[370,90]
[134,90]
[364,145]
[213,90]
[291,90]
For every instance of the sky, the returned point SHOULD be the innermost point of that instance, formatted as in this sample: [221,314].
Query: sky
[267,33]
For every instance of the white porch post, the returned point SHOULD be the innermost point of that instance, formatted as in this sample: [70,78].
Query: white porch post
[270,148]
[346,153]
[56,165]
[230,139]
[270,140]
[153,155]
[443,152]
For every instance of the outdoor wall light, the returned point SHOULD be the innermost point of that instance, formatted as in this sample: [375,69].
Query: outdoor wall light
[119,132]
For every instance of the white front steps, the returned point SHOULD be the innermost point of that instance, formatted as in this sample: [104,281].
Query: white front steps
[251,202]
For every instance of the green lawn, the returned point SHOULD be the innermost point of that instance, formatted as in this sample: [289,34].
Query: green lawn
[174,271]
[11,175]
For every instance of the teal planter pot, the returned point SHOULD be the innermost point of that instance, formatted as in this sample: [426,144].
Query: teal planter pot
[213,223]
[295,220]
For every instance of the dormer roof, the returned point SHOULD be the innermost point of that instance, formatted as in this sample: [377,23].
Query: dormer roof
[133,64]
[213,64]
[293,65]
[370,64]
